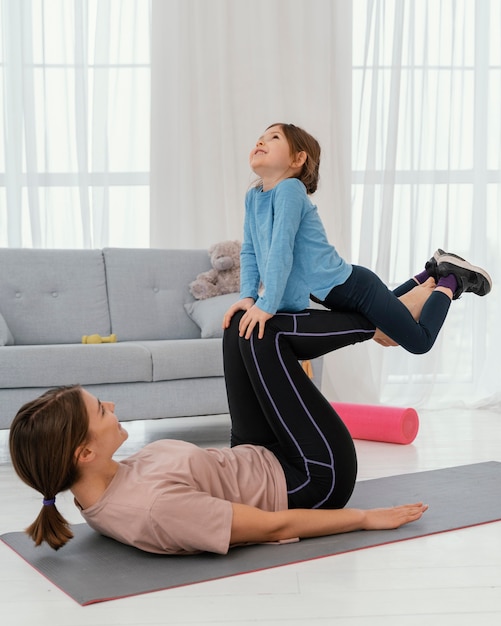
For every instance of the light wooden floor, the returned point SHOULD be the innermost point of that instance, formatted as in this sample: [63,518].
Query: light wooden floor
[450,578]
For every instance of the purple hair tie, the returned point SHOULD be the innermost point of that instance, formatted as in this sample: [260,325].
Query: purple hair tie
[49,502]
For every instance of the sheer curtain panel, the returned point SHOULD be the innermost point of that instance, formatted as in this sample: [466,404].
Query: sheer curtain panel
[224,70]
[74,137]
[426,174]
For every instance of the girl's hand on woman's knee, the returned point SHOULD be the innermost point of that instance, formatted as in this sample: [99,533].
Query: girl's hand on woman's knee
[241,305]
[251,318]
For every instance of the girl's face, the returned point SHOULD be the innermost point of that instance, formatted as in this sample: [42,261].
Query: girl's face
[271,155]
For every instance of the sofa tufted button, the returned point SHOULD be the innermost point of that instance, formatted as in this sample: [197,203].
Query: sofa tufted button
[18,294]
[156,289]
[54,294]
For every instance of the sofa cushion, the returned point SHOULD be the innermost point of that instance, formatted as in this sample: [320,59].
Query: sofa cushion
[85,364]
[53,296]
[208,314]
[6,338]
[185,358]
[147,290]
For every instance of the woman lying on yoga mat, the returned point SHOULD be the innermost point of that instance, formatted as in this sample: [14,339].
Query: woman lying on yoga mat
[289,472]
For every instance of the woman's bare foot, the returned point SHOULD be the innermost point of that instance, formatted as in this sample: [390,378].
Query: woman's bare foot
[414,300]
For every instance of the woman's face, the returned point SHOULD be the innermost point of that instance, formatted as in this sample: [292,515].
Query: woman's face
[105,431]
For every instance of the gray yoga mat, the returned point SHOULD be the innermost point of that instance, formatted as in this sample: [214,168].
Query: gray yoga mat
[92,568]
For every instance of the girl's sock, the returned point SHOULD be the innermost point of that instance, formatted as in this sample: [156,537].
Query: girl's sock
[449,281]
[422,277]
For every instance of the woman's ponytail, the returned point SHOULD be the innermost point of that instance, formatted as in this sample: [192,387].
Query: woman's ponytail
[50,526]
[43,439]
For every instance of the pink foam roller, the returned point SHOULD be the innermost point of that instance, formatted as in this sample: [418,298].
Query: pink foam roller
[379,423]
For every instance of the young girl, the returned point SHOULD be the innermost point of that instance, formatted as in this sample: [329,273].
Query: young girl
[289,473]
[286,258]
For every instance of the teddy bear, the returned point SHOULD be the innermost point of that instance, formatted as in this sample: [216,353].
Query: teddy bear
[224,277]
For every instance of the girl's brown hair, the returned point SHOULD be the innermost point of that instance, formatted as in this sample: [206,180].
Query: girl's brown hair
[301,141]
[43,439]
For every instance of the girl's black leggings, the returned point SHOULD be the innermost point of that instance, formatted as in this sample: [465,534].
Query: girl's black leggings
[365,293]
[273,402]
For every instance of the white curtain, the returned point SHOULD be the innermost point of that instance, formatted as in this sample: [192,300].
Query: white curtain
[74,98]
[423,128]
[224,70]
[426,174]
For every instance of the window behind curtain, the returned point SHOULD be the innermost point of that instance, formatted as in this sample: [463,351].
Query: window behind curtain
[74,136]
[426,164]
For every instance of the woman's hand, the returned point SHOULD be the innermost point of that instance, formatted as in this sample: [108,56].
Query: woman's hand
[394,517]
[252,525]
[383,340]
[241,305]
[252,317]
[414,300]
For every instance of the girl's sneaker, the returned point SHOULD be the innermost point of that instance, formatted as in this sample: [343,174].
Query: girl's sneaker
[431,266]
[469,277]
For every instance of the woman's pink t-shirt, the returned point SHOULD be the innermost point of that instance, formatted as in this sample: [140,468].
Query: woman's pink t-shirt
[174,497]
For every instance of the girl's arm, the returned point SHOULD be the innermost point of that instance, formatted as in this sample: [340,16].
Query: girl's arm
[252,525]
[249,272]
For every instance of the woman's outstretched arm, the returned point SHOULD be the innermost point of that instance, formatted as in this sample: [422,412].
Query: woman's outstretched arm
[252,525]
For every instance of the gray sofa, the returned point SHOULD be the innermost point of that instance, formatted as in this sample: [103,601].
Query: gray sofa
[167,360]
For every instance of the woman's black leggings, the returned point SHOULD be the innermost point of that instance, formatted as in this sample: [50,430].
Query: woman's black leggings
[365,293]
[273,403]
